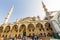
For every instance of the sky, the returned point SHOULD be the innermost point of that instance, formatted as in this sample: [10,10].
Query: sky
[26,8]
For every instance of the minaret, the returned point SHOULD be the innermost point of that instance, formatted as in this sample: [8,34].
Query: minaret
[9,14]
[46,11]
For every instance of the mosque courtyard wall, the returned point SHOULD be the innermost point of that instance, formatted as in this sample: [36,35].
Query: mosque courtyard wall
[40,28]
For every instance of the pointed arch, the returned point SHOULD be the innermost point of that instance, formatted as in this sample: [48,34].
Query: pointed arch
[22,27]
[48,26]
[15,27]
[30,26]
[39,25]
[7,28]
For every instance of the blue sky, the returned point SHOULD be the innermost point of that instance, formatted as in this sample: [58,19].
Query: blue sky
[26,8]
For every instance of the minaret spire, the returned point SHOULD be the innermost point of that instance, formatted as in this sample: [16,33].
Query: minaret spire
[46,11]
[9,14]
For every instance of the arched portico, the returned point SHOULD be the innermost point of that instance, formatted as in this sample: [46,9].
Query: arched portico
[15,28]
[48,26]
[39,26]
[48,30]
[31,29]
[22,29]
[7,29]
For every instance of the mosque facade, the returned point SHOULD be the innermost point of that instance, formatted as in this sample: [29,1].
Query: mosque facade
[29,26]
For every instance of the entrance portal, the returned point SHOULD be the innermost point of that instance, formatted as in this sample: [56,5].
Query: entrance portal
[23,28]
[24,32]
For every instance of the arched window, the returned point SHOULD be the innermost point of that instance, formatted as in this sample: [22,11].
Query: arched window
[3,35]
[50,34]
[31,27]
[15,35]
